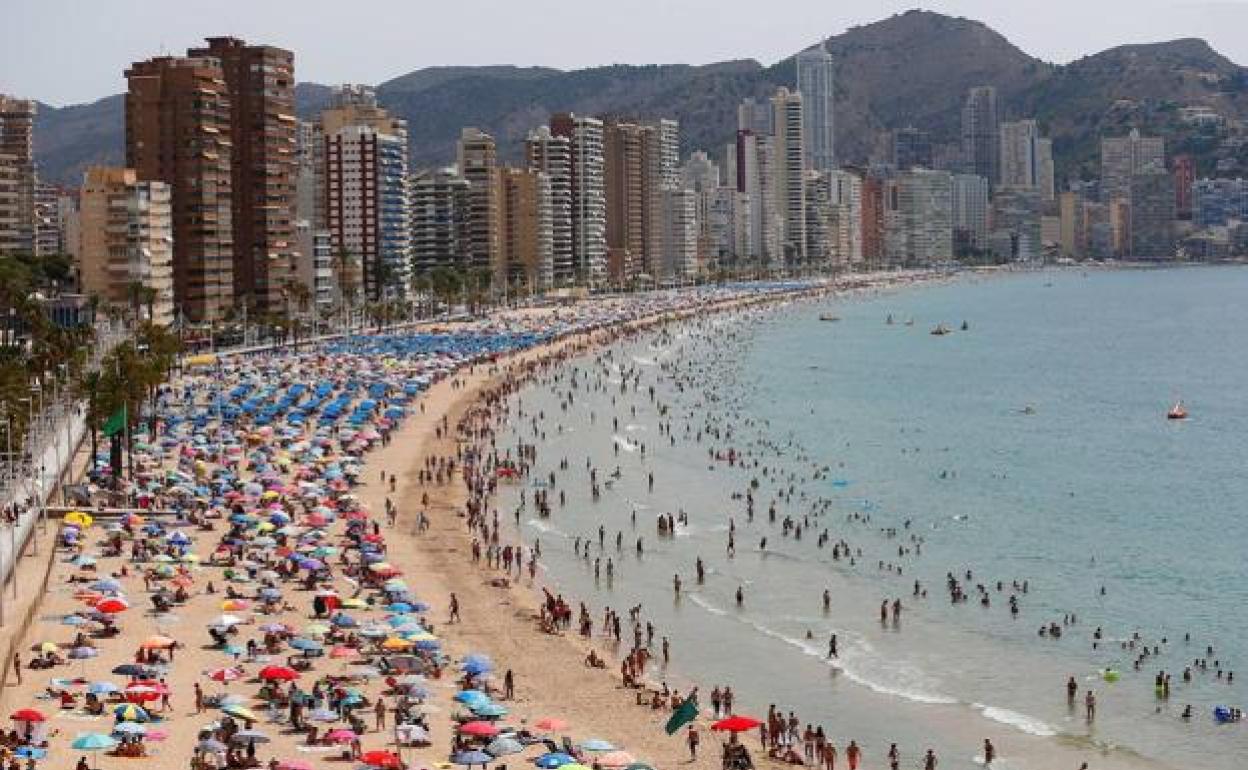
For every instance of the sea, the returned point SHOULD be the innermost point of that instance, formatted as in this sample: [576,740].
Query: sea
[1029,448]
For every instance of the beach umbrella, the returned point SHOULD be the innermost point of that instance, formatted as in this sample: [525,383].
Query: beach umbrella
[597,744]
[479,729]
[106,584]
[132,669]
[615,759]
[471,758]
[225,621]
[210,746]
[551,724]
[129,712]
[324,715]
[245,736]
[553,760]
[396,643]
[240,711]
[502,746]
[294,764]
[78,519]
[74,620]
[469,697]
[278,673]
[112,606]
[235,605]
[30,752]
[306,645]
[386,759]
[639,766]
[157,642]
[343,652]
[93,742]
[82,653]
[28,715]
[736,724]
[341,735]
[224,674]
[129,728]
[489,710]
[101,688]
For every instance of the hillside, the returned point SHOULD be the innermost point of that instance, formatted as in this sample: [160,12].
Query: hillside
[910,69]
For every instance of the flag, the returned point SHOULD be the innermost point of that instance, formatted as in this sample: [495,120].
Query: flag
[685,713]
[117,423]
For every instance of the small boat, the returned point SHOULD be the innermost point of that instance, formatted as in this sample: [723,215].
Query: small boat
[889,321]
[909,322]
[1029,409]
[940,330]
[1177,412]
[965,326]
[829,317]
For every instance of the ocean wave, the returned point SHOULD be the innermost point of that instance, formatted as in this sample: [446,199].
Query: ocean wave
[704,604]
[643,361]
[624,444]
[1027,724]
[547,529]
[633,427]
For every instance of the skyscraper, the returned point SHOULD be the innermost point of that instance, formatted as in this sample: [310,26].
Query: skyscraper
[918,211]
[1019,159]
[440,207]
[755,161]
[478,165]
[1124,157]
[260,83]
[178,131]
[970,213]
[628,151]
[981,136]
[1152,215]
[552,155]
[366,190]
[126,238]
[911,147]
[754,116]
[526,240]
[589,205]
[17,168]
[815,84]
[790,185]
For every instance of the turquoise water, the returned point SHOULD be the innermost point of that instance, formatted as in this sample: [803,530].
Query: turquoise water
[1088,488]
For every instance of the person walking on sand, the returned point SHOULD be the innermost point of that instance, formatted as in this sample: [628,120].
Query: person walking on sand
[509,685]
[17,667]
[990,752]
[692,738]
[853,754]
[380,712]
[199,699]
[454,609]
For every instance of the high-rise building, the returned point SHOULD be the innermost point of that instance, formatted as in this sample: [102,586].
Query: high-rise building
[911,147]
[1073,241]
[365,190]
[701,175]
[755,116]
[679,252]
[1152,215]
[178,131]
[981,135]
[440,211]
[667,134]
[873,220]
[1218,202]
[126,241]
[755,161]
[1019,160]
[260,83]
[314,268]
[552,156]
[17,175]
[1015,232]
[1124,157]
[789,174]
[970,213]
[637,172]
[589,201]
[918,223]
[845,193]
[49,229]
[314,255]
[478,165]
[815,84]
[819,218]
[526,240]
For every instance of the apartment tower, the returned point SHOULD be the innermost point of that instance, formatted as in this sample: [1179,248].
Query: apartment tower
[789,172]
[589,203]
[815,84]
[17,175]
[552,155]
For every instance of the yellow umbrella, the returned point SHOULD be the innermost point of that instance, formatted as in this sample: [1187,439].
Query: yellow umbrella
[242,712]
[353,604]
[381,566]
[234,605]
[316,629]
[78,518]
[395,643]
[425,637]
[49,647]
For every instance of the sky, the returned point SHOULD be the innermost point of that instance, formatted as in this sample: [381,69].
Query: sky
[72,51]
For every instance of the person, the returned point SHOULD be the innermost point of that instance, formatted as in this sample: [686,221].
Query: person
[853,754]
[509,685]
[894,757]
[380,712]
[832,647]
[692,739]
[82,761]
[199,699]
[454,608]
[1072,689]
[929,760]
[1089,703]
[17,668]
[990,752]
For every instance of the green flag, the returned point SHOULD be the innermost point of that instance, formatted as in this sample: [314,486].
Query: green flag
[117,423]
[685,713]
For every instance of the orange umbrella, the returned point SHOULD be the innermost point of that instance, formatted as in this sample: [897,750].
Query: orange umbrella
[157,642]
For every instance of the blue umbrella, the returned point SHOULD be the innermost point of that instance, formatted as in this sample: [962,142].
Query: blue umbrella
[597,744]
[469,697]
[74,620]
[489,710]
[101,688]
[475,667]
[106,584]
[132,669]
[81,653]
[307,645]
[130,728]
[471,758]
[400,607]
[30,752]
[554,759]
[93,742]
[344,621]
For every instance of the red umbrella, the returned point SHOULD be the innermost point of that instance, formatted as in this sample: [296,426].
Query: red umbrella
[736,724]
[479,729]
[112,605]
[224,675]
[381,759]
[28,715]
[278,673]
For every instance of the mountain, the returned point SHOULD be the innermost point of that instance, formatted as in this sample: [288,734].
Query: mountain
[910,69]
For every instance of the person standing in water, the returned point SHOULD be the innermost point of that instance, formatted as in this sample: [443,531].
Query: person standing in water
[990,752]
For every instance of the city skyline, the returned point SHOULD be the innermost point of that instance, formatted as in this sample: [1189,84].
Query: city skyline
[697,33]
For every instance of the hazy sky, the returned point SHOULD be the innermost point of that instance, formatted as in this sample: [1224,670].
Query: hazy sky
[68,51]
